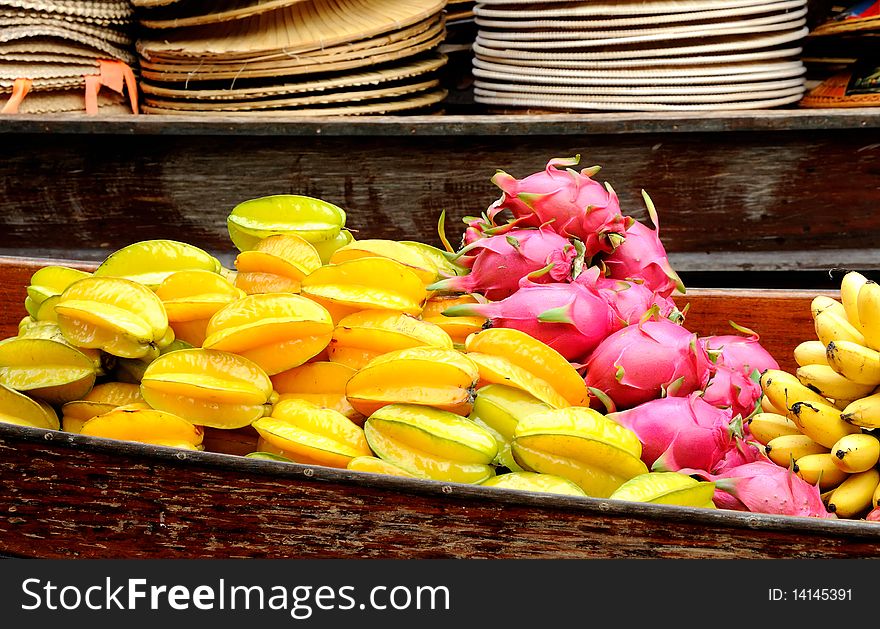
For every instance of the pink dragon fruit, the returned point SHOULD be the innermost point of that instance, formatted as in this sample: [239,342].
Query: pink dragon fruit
[569,317]
[641,256]
[630,300]
[648,360]
[763,487]
[578,206]
[498,263]
[681,432]
[739,362]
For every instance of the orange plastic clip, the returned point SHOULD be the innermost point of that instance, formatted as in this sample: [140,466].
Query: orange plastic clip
[20,89]
[113,74]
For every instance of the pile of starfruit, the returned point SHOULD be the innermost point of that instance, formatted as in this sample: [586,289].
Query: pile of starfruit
[328,350]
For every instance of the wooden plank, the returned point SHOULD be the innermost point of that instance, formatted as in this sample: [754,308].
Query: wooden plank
[69,496]
[751,199]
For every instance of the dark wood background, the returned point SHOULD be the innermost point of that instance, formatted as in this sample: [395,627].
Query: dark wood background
[769,192]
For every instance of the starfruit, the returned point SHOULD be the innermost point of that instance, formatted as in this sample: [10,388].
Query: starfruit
[208,387]
[268,456]
[536,357]
[580,444]
[363,284]
[119,316]
[48,282]
[320,382]
[431,443]
[498,408]
[445,267]
[50,330]
[276,264]
[363,335]
[458,328]
[131,370]
[139,423]
[191,298]
[495,369]
[410,257]
[428,376]
[533,481]
[311,435]
[375,465]
[669,488]
[103,398]
[255,219]
[277,331]
[21,409]
[326,248]
[49,370]
[149,262]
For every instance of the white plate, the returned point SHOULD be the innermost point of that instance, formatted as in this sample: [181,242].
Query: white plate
[683,92]
[609,79]
[523,19]
[733,44]
[648,71]
[553,32]
[558,41]
[541,103]
[613,8]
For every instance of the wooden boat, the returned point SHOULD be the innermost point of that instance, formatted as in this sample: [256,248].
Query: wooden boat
[70,496]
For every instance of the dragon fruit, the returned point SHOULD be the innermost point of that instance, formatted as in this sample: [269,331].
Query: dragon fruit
[576,205]
[630,300]
[653,358]
[739,362]
[498,263]
[569,317]
[681,432]
[763,487]
[641,256]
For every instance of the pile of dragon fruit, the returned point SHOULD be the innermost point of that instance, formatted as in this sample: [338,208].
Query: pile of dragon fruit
[556,257]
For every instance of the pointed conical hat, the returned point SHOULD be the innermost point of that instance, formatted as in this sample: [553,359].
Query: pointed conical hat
[293,29]
[92,31]
[106,9]
[177,16]
[43,31]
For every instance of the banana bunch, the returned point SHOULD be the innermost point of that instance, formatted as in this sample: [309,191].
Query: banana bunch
[821,420]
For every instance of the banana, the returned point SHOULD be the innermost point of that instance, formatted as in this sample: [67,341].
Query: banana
[821,303]
[768,407]
[810,353]
[765,426]
[830,384]
[864,412]
[850,286]
[854,495]
[820,470]
[783,389]
[875,498]
[785,449]
[821,422]
[831,325]
[856,362]
[869,313]
[857,452]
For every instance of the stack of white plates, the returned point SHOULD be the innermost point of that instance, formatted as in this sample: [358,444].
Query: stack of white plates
[639,55]
[290,57]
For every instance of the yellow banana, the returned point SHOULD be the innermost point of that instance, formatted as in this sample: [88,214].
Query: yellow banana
[783,389]
[810,353]
[864,412]
[785,449]
[821,303]
[857,452]
[831,325]
[768,407]
[854,495]
[869,313]
[820,470]
[765,426]
[830,384]
[821,422]
[856,362]
[850,285]
[875,498]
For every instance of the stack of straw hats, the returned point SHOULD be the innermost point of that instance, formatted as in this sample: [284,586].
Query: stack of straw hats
[295,58]
[639,55]
[57,56]
[842,52]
